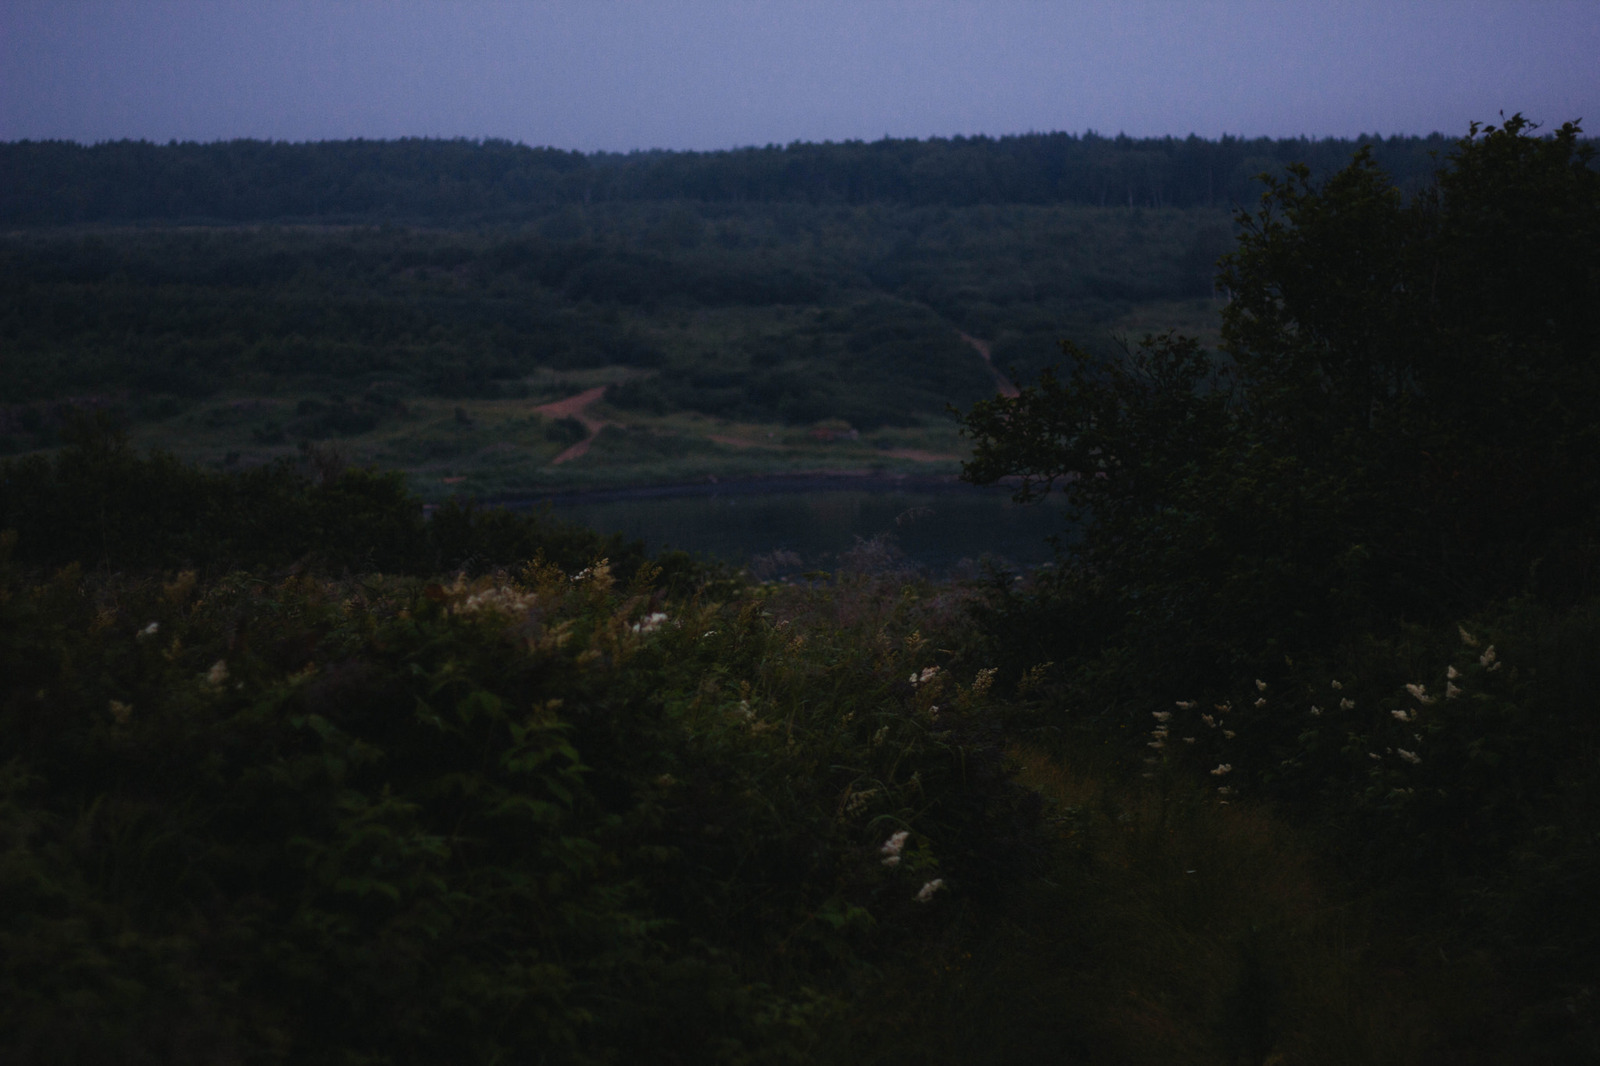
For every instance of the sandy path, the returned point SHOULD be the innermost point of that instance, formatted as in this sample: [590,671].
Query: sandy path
[1001,382]
[920,456]
[576,407]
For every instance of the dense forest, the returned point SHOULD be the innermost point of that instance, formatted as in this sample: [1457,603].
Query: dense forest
[1292,755]
[61,183]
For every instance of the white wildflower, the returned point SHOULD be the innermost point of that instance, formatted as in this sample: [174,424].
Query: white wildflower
[892,847]
[1228,734]
[1488,657]
[1467,638]
[218,674]
[150,630]
[1316,712]
[503,599]
[878,737]
[1409,756]
[1222,768]
[1374,756]
[1157,744]
[1208,720]
[1337,686]
[927,675]
[1188,740]
[120,711]
[1261,686]
[1450,690]
[1185,705]
[1161,716]
[928,890]
[1347,704]
[1451,672]
[1225,790]
[1404,716]
[1421,695]
[649,623]
[1262,702]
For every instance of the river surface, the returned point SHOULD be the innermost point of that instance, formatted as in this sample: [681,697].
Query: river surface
[790,524]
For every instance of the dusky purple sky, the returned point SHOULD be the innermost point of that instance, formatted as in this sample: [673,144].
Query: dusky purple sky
[704,74]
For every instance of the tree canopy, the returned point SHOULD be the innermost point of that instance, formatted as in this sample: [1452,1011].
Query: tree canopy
[1401,422]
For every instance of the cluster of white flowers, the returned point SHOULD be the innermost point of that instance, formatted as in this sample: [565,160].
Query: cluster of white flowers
[1420,694]
[892,847]
[503,599]
[1404,716]
[149,631]
[1409,756]
[1185,705]
[927,675]
[600,571]
[217,676]
[649,623]
[982,682]
[928,890]
[1222,768]
[120,711]
[1261,686]
[1347,705]
[1487,659]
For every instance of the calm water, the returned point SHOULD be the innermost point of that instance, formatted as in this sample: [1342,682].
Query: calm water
[936,525]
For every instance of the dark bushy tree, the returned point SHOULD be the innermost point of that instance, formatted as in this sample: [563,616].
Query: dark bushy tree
[1401,422]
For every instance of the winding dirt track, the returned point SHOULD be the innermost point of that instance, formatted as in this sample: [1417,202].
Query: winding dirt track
[576,407]
[1001,382]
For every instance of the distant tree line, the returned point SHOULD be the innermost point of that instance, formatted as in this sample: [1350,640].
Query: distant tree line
[62,182]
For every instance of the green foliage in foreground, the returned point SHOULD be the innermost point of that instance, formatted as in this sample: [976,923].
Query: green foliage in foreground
[533,817]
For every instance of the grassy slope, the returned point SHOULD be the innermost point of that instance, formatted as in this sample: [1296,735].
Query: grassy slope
[765,321]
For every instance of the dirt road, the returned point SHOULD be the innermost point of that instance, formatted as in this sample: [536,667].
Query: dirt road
[1001,382]
[576,407]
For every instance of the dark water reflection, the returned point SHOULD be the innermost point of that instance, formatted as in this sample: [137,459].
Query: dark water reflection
[936,524]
